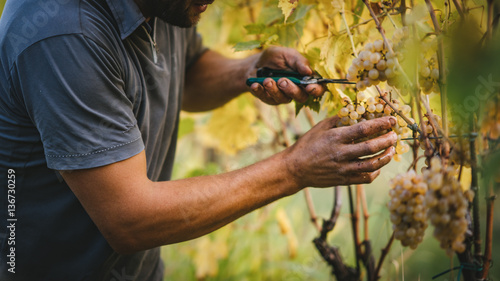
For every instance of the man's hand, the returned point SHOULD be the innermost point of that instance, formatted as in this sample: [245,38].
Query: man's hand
[329,156]
[284,90]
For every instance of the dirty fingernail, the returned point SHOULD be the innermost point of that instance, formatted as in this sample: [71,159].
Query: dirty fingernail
[283,84]
[393,121]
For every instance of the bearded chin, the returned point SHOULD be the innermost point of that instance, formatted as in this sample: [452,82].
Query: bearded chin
[172,11]
[176,18]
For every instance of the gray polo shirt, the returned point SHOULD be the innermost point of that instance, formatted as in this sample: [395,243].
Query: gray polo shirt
[83,83]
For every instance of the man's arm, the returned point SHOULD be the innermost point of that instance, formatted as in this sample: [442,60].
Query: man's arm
[134,213]
[214,79]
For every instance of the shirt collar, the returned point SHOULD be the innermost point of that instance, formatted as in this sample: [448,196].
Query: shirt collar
[127,15]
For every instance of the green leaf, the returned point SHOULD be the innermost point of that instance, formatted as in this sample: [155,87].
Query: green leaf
[358,10]
[255,28]
[270,14]
[248,45]
[312,102]
[300,13]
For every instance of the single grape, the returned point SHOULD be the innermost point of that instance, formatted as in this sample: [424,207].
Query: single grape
[373,74]
[425,72]
[343,112]
[360,109]
[435,74]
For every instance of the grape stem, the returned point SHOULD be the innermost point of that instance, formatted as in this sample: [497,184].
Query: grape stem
[402,10]
[490,201]
[342,13]
[329,224]
[475,187]
[367,21]
[361,193]
[433,121]
[489,23]
[458,7]
[385,251]
[412,125]
[471,135]
[355,230]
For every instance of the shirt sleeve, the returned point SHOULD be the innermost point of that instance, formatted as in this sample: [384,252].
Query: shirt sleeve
[195,46]
[74,94]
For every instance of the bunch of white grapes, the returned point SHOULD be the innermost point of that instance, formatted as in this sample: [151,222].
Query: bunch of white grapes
[367,107]
[375,63]
[428,69]
[407,207]
[447,206]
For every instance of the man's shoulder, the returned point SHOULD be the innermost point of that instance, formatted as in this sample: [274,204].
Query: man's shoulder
[26,22]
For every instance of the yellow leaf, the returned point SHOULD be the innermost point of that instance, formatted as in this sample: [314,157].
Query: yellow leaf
[205,262]
[287,7]
[283,221]
[230,127]
[286,229]
[293,244]
[209,252]
[466,178]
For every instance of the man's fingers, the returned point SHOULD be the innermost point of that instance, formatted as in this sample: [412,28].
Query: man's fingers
[371,147]
[272,89]
[292,90]
[372,164]
[363,177]
[367,128]
[259,91]
[298,62]
[316,90]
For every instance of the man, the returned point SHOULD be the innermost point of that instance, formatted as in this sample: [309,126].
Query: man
[90,94]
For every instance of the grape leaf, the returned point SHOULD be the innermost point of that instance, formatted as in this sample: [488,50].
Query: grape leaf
[269,15]
[287,7]
[255,28]
[358,10]
[300,13]
[248,45]
[312,102]
[231,128]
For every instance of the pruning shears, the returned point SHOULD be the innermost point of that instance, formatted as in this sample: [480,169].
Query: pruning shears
[295,77]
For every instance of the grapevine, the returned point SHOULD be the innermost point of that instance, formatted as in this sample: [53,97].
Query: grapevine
[404,57]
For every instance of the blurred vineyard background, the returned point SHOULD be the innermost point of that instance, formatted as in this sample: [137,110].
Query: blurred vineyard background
[275,242]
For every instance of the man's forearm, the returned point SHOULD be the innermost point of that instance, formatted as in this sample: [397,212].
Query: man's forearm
[214,80]
[198,206]
[134,213]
